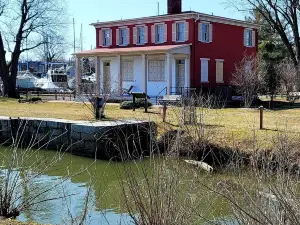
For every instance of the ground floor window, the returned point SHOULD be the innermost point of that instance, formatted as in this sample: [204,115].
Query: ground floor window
[156,70]
[204,70]
[127,70]
[219,70]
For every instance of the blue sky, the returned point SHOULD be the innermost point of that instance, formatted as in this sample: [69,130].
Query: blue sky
[89,11]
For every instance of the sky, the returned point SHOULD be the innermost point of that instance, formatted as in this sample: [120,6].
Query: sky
[86,12]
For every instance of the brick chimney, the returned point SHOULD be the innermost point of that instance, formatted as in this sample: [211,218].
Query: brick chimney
[174,6]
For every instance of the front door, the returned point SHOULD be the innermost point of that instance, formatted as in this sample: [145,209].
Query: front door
[106,78]
[180,77]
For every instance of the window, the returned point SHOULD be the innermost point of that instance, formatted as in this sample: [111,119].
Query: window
[219,70]
[249,38]
[127,70]
[204,70]
[141,35]
[123,36]
[159,33]
[106,37]
[156,70]
[179,31]
[205,32]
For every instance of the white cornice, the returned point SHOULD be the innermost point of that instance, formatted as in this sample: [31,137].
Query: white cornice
[183,16]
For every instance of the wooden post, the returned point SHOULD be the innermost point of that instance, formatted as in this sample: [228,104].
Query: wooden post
[164,111]
[96,108]
[55,95]
[261,112]
[146,104]
[133,101]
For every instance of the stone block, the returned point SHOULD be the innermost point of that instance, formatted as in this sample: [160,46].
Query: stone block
[88,137]
[75,136]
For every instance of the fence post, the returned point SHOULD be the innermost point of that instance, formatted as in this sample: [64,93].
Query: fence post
[146,104]
[55,95]
[164,111]
[261,112]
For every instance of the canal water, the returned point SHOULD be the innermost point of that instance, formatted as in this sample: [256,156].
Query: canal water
[69,179]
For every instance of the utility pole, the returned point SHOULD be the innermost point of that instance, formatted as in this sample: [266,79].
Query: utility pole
[81,39]
[74,35]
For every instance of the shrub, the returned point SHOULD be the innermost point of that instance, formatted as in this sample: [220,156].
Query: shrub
[138,104]
[126,105]
[35,99]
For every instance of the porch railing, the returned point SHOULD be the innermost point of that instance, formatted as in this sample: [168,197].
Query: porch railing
[159,94]
[183,91]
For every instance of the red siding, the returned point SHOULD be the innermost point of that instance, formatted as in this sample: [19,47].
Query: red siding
[227,44]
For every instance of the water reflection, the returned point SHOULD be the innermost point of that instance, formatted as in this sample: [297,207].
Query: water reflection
[104,205]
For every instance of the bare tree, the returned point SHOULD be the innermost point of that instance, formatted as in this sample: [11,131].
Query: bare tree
[288,75]
[55,48]
[283,18]
[22,27]
[247,78]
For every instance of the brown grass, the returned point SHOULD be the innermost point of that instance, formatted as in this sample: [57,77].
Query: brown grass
[233,127]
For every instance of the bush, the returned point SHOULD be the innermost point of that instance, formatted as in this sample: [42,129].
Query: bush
[126,105]
[34,99]
[140,103]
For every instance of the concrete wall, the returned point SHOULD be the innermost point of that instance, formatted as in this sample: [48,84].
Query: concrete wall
[119,140]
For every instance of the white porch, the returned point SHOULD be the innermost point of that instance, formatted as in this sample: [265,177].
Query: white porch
[152,70]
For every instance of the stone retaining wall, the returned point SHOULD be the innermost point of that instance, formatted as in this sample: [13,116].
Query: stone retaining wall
[119,140]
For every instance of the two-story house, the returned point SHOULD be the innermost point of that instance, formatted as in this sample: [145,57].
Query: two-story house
[172,51]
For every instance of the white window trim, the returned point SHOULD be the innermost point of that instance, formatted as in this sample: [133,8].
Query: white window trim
[163,71]
[182,21]
[120,28]
[128,61]
[156,24]
[252,38]
[102,36]
[139,26]
[201,40]
[207,60]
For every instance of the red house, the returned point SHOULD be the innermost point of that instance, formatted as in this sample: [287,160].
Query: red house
[172,52]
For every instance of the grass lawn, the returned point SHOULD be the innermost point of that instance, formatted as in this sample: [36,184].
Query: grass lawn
[229,126]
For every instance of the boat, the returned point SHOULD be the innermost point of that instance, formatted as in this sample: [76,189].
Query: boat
[90,78]
[26,80]
[71,83]
[59,77]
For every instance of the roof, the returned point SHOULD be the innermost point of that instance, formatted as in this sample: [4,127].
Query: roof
[131,50]
[183,15]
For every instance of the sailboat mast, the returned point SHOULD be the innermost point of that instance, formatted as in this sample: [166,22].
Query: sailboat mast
[81,39]
[74,35]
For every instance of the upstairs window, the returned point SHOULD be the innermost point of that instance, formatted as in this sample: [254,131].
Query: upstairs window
[123,36]
[249,38]
[205,32]
[180,32]
[159,33]
[106,35]
[141,35]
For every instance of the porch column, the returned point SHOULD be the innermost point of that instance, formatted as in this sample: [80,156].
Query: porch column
[169,72]
[98,74]
[187,73]
[144,73]
[120,77]
[78,75]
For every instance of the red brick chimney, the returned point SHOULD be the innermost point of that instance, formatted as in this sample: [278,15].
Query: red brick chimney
[174,6]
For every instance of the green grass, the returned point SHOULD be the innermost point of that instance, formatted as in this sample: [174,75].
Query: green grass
[234,127]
